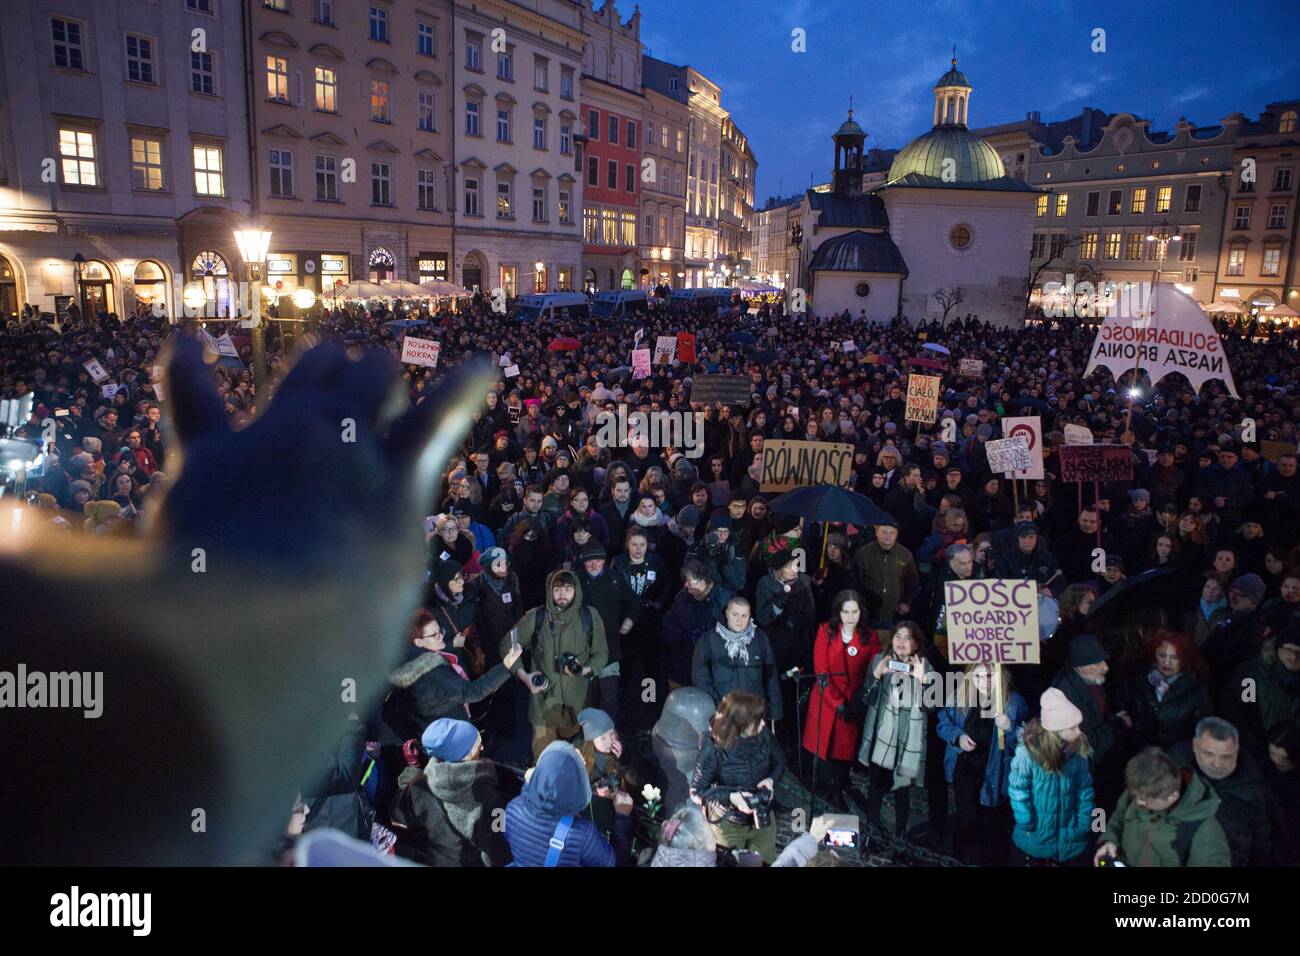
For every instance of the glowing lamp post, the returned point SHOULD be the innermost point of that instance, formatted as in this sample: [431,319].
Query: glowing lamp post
[253,245]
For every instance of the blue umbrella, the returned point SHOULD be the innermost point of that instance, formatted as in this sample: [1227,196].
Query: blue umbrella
[830,503]
[401,325]
[741,337]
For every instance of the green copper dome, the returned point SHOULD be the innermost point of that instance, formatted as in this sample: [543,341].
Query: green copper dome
[953,77]
[850,128]
[974,161]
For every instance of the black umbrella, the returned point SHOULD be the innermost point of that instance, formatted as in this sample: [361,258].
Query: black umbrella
[1028,401]
[1125,601]
[740,336]
[832,504]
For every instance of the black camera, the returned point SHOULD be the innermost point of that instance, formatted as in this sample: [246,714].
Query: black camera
[760,801]
[568,663]
[610,781]
[539,681]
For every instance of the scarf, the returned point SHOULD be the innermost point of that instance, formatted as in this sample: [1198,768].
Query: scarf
[900,730]
[1207,610]
[495,583]
[737,642]
[652,522]
[1160,683]
[454,661]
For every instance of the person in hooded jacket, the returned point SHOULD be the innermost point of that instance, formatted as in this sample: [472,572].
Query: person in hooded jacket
[1165,818]
[455,607]
[567,649]
[611,596]
[736,655]
[453,802]
[547,812]
[433,684]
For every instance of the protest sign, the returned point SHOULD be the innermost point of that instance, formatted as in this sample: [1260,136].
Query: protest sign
[1165,331]
[994,621]
[108,391]
[971,368]
[849,346]
[97,373]
[665,349]
[1030,427]
[1008,455]
[727,389]
[511,371]
[1273,450]
[922,399]
[1077,435]
[686,347]
[1096,463]
[421,351]
[640,363]
[795,464]
[226,346]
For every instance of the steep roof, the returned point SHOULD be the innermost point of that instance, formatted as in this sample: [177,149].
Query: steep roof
[859,251]
[836,211]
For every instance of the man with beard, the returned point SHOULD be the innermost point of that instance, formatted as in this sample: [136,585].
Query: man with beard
[1073,549]
[1083,681]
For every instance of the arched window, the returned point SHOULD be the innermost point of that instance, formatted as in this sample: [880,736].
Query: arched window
[150,283]
[209,269]
[96,289]
[8,290]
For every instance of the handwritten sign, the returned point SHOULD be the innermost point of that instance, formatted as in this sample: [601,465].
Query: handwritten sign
[1078,435]
[971,368]
[1273,450]
[665,349]
[922,399]
[1008,455]
[108,391]
[1029,427]
[421,351]
[848,345]
[994,621]
[97,373]
[796,464]
[640,363]
[727,389]
[511,371]
[1096,463]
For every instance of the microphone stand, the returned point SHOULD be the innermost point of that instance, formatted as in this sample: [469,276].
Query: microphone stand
[822,680]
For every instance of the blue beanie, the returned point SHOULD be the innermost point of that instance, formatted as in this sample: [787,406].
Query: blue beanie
[491,554]
[449,740]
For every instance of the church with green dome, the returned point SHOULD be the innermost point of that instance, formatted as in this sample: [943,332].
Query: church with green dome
[946,217]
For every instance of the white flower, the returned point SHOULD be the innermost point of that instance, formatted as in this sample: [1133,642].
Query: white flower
[650,793]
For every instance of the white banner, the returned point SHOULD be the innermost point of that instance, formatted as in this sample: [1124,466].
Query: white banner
[1030,427]
[421,351]
[1078,435]
[1008,455]
[665,349]
[1166,333]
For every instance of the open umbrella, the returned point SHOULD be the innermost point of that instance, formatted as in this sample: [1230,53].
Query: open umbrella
[925,363]
[441,287]
[401,289]
[401,325]
[564,344]
[741,337]
[935,347]
[356,290]
[1159,587]
[1028,401]
[1230,308]
[830,503]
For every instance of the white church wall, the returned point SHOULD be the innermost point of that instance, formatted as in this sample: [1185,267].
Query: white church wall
[837,291]
[990,271]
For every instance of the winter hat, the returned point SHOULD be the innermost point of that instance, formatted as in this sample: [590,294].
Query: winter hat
[985,431]
[449,740]
[1025,528]
[1139,494]
[100,511]
[595,722]
[78,462]
[1289,636]
[593,551]
[446,570]
[779,559]
[689,517]
[1251,585]
[79,485]
[1085,649]
[721,521]
[1057,712]
[92,445]
[490,555]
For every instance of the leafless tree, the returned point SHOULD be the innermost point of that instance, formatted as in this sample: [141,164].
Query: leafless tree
[949,298]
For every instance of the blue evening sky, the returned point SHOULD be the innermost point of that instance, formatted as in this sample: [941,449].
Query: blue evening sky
[1163,59]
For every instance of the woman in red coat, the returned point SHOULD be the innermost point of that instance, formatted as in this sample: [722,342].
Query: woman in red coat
[842,651]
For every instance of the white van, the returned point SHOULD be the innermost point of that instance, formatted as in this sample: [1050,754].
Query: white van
[719,298]
[620,304]
[549,306]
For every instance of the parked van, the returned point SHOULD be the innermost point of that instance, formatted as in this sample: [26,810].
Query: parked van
[719,298]
[549,306]
[620,304]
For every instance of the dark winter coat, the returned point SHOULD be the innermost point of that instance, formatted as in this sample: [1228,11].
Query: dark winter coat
[1243,806]
[611,596]
[737,768]
[1103,729]
[427,687]
[333,799]
[494,613]
[687,621]
[1161,723]
[456,808]
[753,672]
[1187,834]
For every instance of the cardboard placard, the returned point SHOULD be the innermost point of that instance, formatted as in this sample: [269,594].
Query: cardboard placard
[1273,450]
[1096,463]
[511,371]
[848,346]
[1029,427]
[97,373]
[796,464]
[421,351]
[1008,455]
[994,621]
[1078,435]
[727,389]
[108,391]
[686,347]
[971,368]
[922,399]
[665,349]
[640,363]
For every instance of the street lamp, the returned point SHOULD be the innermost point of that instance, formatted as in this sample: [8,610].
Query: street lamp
[253,245]
[78,267]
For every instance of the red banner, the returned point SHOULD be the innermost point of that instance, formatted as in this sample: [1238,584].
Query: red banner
[686,348]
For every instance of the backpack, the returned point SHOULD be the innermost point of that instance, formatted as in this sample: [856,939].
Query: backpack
[584,614]
[1183,837]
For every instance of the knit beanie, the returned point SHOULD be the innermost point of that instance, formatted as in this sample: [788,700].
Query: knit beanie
[1057,712]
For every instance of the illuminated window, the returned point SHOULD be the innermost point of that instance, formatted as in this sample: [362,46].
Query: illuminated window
[277,79]
[1237,260]
[1272,261]
[146,164]
[327,90]
[77,149]
[1133,246]
[209,177]
[1138,202]
[1164,196]
[1088,245]
[1041,206]
[1062,204]
[1112,245]
[505,201]
[379,101]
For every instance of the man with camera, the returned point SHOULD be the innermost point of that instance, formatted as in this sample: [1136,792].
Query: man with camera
[565,644]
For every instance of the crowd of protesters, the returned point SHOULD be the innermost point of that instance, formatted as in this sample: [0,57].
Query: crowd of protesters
[572,587]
